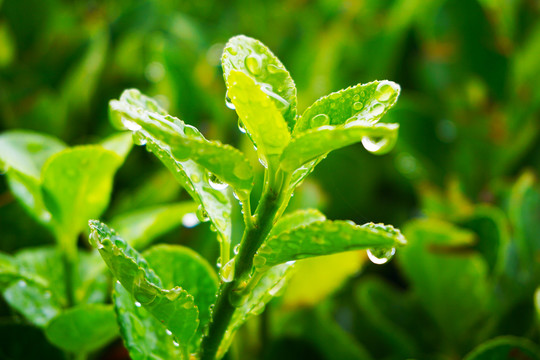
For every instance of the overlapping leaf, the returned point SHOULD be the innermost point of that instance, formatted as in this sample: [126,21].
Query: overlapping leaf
[174,308]
[325,238]
[505,347]
[312,144]
[185,152]
[253,58]
[259,115]
[144,336]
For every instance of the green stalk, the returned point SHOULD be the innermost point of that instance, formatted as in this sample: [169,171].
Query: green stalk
[256,231]
[68,249]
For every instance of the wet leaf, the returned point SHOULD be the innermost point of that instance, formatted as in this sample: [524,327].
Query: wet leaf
[325,238]
[174,308]
[312,144]
[259,115]
[257,61]
[190,173]
[83,328]
[142,226]
[144,335]
[363,103]
[181,266]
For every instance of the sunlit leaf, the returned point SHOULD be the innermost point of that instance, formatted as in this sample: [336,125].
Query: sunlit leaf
[174,308]
[190,173]
[360,103]
[325,238]
[309,145]
[142,226]
[259,115]
[83,328]
[254,59]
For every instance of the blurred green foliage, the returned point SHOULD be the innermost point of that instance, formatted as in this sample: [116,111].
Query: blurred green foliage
[466,160]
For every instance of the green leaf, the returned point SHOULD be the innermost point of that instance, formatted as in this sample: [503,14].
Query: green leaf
[325,238]
[181,266]
[145,337]
[142,226]
[505,348]
[259,115]
[76,186]
[33,301]
[254,59]
[22,155]
[296,219]
[10,272]
[175,308]
[132,112]
[120,144]
[270,284]
[437,254]
[190,173]
[83,328]
[27,151]
[312,144]
[360,103]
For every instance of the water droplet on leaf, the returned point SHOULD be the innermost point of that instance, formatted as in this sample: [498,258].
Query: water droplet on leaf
[202,215]
[381,256]
[385,90]
[374,145]
[319,120]
[228,102]
[215,182]
[227,271]
[253,64]
[139,138]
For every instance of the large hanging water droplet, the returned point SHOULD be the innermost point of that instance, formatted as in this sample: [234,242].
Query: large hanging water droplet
[381,256]
[385,90]
[202,215]
[253,64]
[215,182]
[227,271]
[319,120]
[228,102]
[190,220]
[241,126]
[374,145]
[191,131]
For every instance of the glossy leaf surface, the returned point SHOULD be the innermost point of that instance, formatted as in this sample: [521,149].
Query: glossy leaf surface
[174,308]
[325,238]
[253,58]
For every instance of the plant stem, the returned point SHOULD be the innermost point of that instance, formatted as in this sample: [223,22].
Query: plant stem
[69,259]
[254,235]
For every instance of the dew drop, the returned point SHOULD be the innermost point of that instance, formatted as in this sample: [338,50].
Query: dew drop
[202,215]
[385,90]
[190,220]
[169,332]
[236,249]
[319,120]
[143,292]
[215,182]
[195,178]
[241,126]
[175,343]
[22,283]
[263,162]
[139,138]
[93,239]
[191,131]
[227,271]
[358,106]
[253,64]
[258,309]
[376,109]
[228,102]
[356,97]
[380,256]
[374,146]
[218,263]
[231,51]
[138,304]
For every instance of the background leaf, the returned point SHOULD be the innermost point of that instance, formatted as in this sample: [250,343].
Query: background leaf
[83,328]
